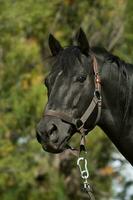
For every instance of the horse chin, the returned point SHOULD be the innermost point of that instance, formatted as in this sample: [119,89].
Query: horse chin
[55,149]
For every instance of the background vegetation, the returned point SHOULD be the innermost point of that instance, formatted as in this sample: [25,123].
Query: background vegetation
[26,172]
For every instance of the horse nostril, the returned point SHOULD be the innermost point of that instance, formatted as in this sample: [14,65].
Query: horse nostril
[52,129]
[53,134]
[49,132]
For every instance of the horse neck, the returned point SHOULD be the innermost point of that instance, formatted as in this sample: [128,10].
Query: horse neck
[111,108]
[115,108]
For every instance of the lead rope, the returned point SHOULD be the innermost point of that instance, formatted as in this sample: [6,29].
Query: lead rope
[83,167]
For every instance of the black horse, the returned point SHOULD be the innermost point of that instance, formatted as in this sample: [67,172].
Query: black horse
[76,72]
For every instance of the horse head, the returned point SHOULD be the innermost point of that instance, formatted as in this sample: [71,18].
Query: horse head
[70,86]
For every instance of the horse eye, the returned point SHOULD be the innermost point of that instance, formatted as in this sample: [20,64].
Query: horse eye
[81,79]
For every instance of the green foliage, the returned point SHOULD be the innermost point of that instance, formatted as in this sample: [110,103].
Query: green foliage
[26,172]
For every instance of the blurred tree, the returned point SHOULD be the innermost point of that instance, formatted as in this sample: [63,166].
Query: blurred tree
[27,171]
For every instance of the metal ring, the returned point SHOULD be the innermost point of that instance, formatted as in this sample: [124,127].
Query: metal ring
[97,94]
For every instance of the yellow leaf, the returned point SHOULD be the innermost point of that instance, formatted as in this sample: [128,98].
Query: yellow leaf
[106,171]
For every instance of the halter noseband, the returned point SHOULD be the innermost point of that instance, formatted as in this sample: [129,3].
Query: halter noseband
[96,101]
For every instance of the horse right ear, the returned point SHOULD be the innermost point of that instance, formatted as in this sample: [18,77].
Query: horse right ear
[54,45]
[82,41]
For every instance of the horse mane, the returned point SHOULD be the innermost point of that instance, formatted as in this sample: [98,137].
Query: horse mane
[108,56]
[71,54]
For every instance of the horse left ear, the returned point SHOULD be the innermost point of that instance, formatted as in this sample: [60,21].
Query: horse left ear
[82,42]
[54,45]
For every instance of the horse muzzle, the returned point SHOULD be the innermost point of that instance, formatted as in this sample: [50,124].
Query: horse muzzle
[53,134]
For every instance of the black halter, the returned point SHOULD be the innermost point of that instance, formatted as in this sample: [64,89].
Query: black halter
[96,101]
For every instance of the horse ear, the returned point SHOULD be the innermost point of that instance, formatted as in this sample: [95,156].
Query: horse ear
[82,41]
[54,45]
